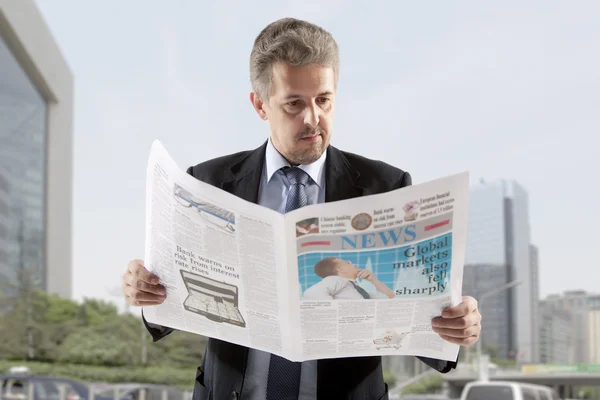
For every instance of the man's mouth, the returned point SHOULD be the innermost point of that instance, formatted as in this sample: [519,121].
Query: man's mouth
[311,138]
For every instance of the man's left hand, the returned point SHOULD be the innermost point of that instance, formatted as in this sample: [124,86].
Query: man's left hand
[460,324]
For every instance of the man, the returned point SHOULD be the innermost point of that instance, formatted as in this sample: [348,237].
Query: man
[294,73]
[339,282]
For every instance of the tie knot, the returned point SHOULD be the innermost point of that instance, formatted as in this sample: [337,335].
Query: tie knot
[296,176]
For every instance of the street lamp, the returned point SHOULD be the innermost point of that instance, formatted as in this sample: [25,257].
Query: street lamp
[483,374]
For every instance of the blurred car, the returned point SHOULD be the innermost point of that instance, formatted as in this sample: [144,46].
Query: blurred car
[132,391]
[506,390]
[19,383]
[18,387]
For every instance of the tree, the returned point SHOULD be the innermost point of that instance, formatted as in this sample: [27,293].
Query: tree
[178,349]
[426,385]
[97,345]
[38,326]
[23,305]
[60,319]
[97,312]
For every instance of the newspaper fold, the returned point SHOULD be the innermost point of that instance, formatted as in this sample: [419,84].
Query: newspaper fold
[358,277]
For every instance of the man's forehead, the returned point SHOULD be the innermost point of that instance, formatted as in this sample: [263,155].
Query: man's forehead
[306,81]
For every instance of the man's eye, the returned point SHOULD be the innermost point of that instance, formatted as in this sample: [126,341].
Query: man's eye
[293,103]
[323,100]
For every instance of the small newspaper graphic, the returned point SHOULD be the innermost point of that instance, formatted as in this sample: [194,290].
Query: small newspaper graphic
[358,277]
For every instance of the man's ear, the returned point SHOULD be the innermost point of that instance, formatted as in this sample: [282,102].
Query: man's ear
[258,105]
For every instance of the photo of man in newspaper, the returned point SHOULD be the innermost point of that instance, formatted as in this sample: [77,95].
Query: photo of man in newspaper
[421,269]
[339,281]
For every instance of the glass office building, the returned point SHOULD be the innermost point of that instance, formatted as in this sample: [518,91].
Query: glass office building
[499,242]
[23,135]
[35,152]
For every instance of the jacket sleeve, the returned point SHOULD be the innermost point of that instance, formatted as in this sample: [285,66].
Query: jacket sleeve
[442,366]
[156,331]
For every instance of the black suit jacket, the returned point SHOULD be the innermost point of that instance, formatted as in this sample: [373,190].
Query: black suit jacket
[347,175]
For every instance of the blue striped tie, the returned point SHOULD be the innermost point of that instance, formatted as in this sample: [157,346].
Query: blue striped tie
[297,194]
[284,375]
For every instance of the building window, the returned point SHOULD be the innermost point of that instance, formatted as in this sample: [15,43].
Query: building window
[22,172]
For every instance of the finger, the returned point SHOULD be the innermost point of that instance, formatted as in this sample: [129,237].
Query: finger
[457,323]
[132,281]
[463,342]
[458,333]
[136,267]
[137,295]
[467,306]
[138,303]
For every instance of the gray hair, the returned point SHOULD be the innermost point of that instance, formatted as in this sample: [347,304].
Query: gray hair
[294,42]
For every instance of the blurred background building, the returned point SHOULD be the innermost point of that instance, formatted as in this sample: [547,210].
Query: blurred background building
[36,108]
[575,303]
[556,339]
[499,251]
[594,328]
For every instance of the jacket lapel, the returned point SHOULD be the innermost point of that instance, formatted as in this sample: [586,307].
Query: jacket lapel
[246,175]
[340,177]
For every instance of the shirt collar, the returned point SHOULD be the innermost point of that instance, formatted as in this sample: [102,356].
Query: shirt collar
[275,161]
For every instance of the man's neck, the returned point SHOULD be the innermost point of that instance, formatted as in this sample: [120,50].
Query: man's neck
[275,161]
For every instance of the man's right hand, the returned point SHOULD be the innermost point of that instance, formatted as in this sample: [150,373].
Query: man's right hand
[141,287]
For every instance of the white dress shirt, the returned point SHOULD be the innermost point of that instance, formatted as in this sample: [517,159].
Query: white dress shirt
[337,288]
[274,185]
[273,191]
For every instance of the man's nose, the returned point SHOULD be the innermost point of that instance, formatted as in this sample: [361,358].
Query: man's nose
[312,115]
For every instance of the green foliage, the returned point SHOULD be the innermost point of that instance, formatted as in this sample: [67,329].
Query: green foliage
[427,385]
[59,310]
[504,363]
[90,340]
[22,321]
[389,377]
[94,346]
[182,378]
[97,312]
[589,392]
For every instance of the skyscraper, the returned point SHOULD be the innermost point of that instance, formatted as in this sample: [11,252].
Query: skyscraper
[35,151]
[498,241]
[497,335]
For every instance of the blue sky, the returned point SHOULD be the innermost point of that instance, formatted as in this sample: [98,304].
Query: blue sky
[511,91]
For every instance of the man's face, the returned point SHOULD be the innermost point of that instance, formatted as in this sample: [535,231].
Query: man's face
[346,269]
[299,110]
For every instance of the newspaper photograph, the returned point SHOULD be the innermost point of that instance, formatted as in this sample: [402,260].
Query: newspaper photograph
[295,284]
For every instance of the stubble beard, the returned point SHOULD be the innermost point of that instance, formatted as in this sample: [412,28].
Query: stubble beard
[307,156]
[314,152]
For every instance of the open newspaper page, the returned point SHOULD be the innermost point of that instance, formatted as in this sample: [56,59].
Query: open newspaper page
[373,271]
[219,258]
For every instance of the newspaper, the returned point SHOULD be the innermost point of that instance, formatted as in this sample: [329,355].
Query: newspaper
[295,284]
